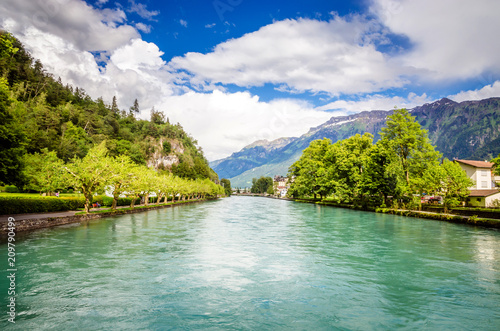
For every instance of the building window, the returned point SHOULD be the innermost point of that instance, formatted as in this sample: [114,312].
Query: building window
[484,173]
[478,199]
[484,184]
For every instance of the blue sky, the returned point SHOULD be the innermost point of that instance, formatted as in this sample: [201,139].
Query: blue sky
[235,71]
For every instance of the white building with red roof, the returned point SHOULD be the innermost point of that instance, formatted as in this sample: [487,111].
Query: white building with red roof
[484,192]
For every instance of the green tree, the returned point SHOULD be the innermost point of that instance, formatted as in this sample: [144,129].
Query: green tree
[448,180]
[125,173]
[134,110]
[345,161]
[167,147]
[157,116]
[262,184]
[226,183]
[91,173]
[12,140]
[410,143]
[382,176]
[496,161]
[114,107]
[44,172]
[149,181]
[310,171]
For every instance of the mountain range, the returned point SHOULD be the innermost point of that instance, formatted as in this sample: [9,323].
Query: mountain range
[465,130]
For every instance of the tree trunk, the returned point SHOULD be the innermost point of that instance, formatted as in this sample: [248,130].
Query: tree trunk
[132,204]
[88,201]
[146,199]
[115,201]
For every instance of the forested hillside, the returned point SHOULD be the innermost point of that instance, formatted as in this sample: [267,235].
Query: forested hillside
[37,112]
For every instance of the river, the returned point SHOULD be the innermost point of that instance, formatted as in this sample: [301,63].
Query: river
[247,263]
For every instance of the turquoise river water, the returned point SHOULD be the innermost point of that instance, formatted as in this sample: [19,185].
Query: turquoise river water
[246,263]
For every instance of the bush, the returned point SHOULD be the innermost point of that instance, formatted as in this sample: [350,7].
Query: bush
[11,189]
[22,205]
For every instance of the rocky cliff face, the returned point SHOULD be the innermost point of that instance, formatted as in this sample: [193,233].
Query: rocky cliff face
[160,159]
[469,129]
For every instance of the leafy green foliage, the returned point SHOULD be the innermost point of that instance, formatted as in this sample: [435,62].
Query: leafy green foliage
[167,147]
[11,189]
[44,172]
[12,140]
[261,185]
[18,205]
[496,161]
[411,145]
[449,180]
[402,164]
[226,183]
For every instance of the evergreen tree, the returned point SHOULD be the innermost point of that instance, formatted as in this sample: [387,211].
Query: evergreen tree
[134,110]
[114,107]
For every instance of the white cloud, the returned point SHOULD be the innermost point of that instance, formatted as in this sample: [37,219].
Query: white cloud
[143,27]
[138,55]
[135,70]
[376,102]
[141,10]
[74,21]
[226,122]
[450,38]
[183,23]
[338,56]
[305,55]
[209,26]
[488,91]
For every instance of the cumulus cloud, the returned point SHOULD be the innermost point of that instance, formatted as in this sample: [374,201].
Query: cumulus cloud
[85,27]
[450,39]
[226,122]
[376,102]
[138,55]
[141,10]
[332,56]
[134,70]
[183,23]
[98,50]
[488,91]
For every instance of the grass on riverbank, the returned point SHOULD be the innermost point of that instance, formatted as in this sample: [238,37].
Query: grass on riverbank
[472,220]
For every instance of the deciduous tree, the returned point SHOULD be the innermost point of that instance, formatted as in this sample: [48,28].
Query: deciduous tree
[91,173]
[44,172]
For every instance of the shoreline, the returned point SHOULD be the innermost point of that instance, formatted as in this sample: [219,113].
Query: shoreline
[33,224]
[452,218]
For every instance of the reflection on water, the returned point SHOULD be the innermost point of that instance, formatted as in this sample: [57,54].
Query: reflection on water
[254,263]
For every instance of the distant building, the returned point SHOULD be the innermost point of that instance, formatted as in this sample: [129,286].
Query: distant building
[484,191]
[281,185]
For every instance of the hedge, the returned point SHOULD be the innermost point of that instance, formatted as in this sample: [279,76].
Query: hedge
[20,205]
[108,201]
[29,205]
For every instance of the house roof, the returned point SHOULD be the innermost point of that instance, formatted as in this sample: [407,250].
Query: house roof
[483,193]
[477,164]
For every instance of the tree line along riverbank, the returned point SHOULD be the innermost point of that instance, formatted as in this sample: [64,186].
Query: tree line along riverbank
[28,223]
[394,172]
